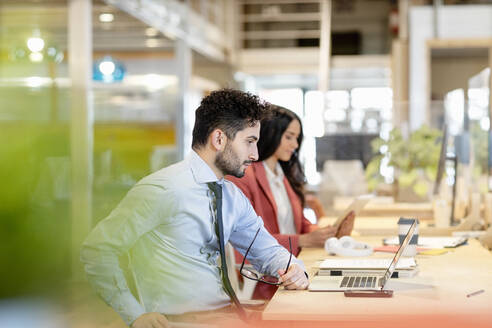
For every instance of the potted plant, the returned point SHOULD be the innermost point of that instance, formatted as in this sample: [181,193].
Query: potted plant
[410,164]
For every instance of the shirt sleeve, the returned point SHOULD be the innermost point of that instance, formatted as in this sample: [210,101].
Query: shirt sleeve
[266,254]
[143,208]
[244,184]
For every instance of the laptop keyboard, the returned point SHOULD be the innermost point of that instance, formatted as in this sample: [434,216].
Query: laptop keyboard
[361,282]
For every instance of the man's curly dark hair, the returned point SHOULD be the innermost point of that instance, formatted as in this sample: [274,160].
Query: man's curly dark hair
[229,110]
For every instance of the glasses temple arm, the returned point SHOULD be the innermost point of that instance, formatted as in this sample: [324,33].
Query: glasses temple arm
[290,257]
[247,251]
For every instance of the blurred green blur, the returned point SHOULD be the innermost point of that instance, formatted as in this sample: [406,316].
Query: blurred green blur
[35,230]
[34,207]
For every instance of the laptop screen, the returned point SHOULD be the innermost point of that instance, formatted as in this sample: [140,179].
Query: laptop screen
[393,263]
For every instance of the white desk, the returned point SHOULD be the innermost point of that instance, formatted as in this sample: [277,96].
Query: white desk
[434,298]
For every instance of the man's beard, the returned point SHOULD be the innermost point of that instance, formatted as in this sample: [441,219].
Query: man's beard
[229,163]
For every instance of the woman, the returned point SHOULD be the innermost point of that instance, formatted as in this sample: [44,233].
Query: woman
[275,186]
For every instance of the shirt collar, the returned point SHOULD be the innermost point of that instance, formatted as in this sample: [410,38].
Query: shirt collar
[200,169]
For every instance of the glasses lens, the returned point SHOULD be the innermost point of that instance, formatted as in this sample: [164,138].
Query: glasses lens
[249,274]
[253,275]
[269,279]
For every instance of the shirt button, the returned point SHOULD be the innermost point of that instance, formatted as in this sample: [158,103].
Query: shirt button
[202,250]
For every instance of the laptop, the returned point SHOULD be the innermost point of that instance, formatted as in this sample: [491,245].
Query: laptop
[364,280]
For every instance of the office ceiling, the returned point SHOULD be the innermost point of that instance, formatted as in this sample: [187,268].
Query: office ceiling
[21,19]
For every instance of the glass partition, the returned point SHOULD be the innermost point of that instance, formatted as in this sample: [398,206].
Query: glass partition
[133,131]
[35,230]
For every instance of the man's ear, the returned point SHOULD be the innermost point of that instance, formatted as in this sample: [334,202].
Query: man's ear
[218,139]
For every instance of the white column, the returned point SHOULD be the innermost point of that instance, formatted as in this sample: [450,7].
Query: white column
[437,6]
[183,58]
[420,24]
[231,26]
[81,128]
[324,46]
[403,19]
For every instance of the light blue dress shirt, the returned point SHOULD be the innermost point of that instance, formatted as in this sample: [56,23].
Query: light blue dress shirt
[165,226]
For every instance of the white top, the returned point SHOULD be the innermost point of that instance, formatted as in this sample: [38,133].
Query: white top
[285,216]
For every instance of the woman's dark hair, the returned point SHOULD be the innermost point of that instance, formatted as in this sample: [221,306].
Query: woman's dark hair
[272,129]
[229,110]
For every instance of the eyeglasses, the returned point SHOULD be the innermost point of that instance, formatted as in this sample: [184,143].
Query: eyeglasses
[247,273]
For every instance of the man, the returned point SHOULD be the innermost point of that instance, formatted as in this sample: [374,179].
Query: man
[167,223]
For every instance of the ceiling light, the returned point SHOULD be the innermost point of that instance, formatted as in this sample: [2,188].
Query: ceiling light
[107,67]
[35,44]
[106,18]
[150,31]
[108,70]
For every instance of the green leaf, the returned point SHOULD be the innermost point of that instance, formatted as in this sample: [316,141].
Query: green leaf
[376,144]
[372,168]
[372,184]
[421,188]
[407,178]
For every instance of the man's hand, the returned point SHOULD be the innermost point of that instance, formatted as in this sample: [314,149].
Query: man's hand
[317,237]
[347,225]
[295,278]
[151,320]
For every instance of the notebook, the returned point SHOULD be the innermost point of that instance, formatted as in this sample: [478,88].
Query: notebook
[364,280]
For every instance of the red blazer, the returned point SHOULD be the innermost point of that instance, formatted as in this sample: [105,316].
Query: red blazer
[256,187]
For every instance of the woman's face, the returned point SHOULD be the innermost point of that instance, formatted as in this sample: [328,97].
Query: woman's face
[288,143]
